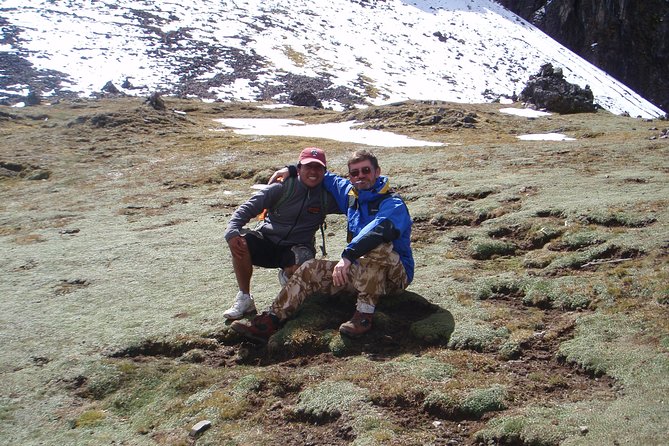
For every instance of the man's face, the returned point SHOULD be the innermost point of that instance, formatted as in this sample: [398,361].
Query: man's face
[363,175]
[311,174]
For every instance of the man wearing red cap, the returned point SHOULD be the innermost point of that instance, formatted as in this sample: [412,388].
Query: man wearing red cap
[286,237]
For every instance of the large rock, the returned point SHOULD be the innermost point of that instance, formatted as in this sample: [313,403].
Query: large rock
[548,89]
[305,98]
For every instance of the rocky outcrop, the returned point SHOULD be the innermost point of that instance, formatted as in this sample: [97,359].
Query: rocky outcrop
[305,99]
[549,90]
[629,39]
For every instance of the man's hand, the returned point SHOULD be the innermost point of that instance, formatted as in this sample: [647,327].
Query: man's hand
[238,247]
[340,272]
[282,173]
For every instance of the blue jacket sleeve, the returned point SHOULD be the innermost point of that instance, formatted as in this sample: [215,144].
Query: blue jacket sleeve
[339,188]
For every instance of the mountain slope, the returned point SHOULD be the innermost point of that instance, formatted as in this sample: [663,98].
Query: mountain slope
[347,52]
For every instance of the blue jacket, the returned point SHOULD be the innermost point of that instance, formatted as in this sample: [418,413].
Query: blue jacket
[374,216]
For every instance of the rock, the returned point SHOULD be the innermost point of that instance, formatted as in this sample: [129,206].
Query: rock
[40,175]
[110,88]
[199,428]
[33,98]
[156,101]
[305,98]
[549,90]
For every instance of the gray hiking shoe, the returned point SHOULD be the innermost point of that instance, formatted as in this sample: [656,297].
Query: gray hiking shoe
[243,306]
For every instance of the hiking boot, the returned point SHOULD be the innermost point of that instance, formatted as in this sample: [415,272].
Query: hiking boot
[359,324]
[243,306]
[260,328]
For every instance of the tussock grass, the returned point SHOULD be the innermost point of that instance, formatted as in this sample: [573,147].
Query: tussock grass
[472,405]
[329,400]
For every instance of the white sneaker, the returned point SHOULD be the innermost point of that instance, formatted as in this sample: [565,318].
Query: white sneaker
[283,278]
[243,305]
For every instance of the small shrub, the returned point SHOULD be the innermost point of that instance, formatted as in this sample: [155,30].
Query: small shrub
[511,349]
[246,385]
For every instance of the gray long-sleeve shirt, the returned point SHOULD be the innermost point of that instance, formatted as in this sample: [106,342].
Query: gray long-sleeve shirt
[293,222]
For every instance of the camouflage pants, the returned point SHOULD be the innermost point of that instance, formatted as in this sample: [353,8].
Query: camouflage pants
[376,274]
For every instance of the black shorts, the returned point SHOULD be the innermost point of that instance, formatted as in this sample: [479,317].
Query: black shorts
[268,255]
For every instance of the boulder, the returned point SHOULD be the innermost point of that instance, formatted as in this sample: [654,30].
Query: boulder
[156,101]
[549,90]
[305,98]
[110,88]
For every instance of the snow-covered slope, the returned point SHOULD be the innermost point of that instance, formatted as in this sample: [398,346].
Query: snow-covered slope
[346,51]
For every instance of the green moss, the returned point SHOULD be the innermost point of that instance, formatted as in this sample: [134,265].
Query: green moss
[441,404]
[424,367]
[506,285]
[472,335]
[90,418]
[472,406]
[525,430]
[619,218]
[609,250]
[246,384]
[567,293]
[582,239]
[481,401]
[339,345]
[435,329]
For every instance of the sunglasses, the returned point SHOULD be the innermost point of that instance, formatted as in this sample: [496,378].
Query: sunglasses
[356,172]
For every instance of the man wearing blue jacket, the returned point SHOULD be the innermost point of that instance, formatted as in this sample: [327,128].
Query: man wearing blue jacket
[377,260]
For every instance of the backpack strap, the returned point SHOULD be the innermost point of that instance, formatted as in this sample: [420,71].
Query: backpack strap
[324,225]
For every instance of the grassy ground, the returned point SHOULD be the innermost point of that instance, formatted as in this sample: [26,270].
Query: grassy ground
[538,314]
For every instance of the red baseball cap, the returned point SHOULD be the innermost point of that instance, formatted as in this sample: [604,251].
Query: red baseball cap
[312,155]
